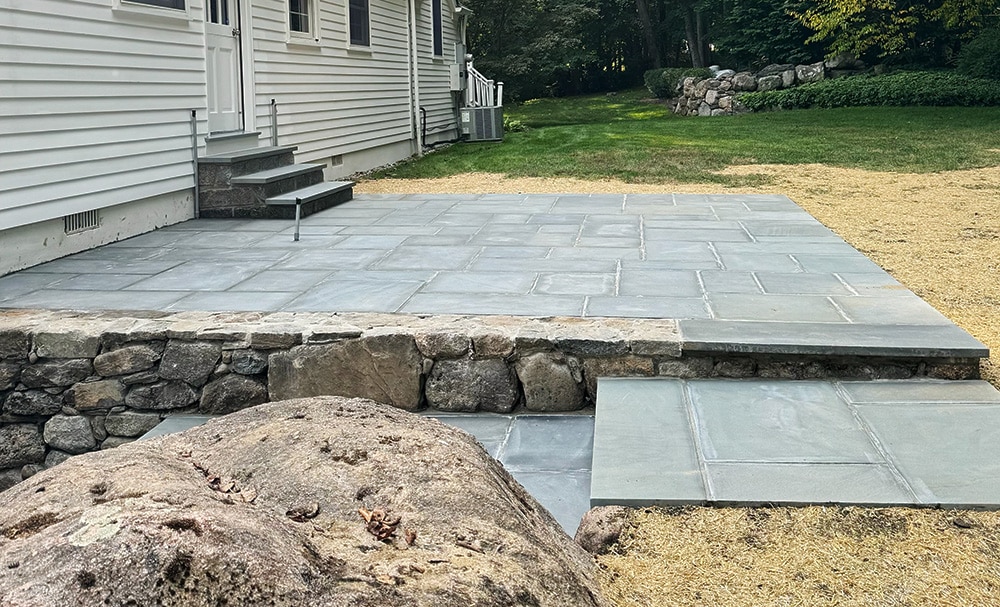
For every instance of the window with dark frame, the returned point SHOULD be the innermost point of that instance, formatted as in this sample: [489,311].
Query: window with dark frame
[174,4]
[438,35]
[360,34]
[298,16]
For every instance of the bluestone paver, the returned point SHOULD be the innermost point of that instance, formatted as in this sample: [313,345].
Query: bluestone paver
[644,448]
[797,442]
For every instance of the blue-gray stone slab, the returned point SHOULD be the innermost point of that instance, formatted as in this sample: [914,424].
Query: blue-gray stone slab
[657,282]
[802,284]
[357,295]
[490,430]
[782,484]
[766,421]
[787,308]
[644,449]
[481,282]
[923,341]
[647,307]
[549,442]
[922,391]
[176,423]
[901,310]
[566,283]
[946,452]
[753,442]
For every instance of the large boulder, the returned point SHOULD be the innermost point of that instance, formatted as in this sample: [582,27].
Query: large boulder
[318,501]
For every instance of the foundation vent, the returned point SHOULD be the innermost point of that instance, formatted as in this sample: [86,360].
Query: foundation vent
[81,222]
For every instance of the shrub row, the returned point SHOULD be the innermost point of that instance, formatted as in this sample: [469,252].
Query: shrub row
[900,89]
[662,83]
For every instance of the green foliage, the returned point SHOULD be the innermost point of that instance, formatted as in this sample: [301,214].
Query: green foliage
[512,125]
[900,89]
[979,58]
[750,34]
[663,83]
[620,137]
[889,29]
[528,44]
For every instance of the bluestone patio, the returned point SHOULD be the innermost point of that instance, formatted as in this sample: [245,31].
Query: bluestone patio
[743,274]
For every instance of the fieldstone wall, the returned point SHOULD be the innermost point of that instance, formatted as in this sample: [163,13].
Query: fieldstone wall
[77,382]
[717,96]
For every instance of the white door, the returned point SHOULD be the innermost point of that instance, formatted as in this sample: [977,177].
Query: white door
[222,44]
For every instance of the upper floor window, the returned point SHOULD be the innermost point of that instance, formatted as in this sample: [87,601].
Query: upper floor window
[438,35]
[357,19]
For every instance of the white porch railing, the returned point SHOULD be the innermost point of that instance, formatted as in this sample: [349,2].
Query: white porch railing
[482,92]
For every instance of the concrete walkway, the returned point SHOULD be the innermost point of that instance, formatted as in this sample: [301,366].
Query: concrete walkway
[750,274]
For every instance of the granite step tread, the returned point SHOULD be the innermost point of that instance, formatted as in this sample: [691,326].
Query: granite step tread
[277,174]
[249,154]
[311,193]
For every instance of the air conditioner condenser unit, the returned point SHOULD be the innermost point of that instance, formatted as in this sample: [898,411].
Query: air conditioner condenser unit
[482,123]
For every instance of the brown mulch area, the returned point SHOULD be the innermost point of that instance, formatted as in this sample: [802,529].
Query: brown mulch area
[939,234]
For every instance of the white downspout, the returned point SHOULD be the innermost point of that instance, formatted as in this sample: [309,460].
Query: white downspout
[414,60]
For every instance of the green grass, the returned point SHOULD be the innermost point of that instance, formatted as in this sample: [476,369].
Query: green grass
[626,137]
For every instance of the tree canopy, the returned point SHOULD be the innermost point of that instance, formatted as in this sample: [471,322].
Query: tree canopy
[558,47]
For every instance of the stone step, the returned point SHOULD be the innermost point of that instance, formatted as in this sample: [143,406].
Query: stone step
[232,141]
[217,168]
[312,199]
[276,174]
[754,442]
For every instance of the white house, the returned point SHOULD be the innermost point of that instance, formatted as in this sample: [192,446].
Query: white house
[105,104]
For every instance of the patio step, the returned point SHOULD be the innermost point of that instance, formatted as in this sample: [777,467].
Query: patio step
[312,199]
[754,442]
[264,183]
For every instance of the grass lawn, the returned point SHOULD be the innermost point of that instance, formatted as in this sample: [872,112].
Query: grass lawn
[632,139]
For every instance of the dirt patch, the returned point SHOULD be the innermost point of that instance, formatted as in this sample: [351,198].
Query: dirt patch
[806,556]
[937,233]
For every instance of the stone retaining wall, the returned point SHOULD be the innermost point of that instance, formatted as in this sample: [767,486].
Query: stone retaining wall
[77,382]
[717,96]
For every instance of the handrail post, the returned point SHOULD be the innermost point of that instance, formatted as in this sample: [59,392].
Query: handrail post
[499,93]
[298,218]
[274,122]
[194,158]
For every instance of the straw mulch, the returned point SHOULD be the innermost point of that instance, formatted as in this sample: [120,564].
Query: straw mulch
[815,556]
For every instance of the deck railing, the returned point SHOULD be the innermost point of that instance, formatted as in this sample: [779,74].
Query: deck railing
[482,92]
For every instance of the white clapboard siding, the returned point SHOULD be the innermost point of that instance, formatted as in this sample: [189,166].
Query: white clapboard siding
[94,106]
[331,99]
[435,81]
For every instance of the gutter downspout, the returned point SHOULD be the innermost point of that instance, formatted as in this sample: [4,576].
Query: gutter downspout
[414,67]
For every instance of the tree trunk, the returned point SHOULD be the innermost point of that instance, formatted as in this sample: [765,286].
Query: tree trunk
[649,33]
[691,30]
[702,39]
